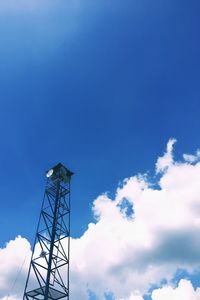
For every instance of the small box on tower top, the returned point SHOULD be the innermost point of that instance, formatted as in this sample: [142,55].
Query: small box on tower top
[59,172]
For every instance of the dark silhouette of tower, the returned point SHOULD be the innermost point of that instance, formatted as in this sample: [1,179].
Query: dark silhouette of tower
[48,276]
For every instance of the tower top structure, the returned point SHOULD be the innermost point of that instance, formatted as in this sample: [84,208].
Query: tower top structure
[59,172]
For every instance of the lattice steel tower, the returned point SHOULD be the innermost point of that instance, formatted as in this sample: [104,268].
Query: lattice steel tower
[48,276]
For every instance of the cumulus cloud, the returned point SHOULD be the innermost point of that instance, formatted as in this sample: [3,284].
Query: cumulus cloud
[167,159]
[14,257]
[192,158]
[126,251]
[162,236]
[184,291]
[133,296]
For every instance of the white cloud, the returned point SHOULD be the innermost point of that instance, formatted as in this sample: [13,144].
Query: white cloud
[10,298]
[133,296]
[189,158]
[14,257]
[126,256]
[184,291]
[167,159]
[192,158]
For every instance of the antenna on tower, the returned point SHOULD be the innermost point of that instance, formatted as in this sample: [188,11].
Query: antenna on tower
[48,276]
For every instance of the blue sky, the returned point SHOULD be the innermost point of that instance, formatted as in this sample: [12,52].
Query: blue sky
[99,86]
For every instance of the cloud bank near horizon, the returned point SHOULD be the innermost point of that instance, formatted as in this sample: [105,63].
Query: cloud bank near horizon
[139,239]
